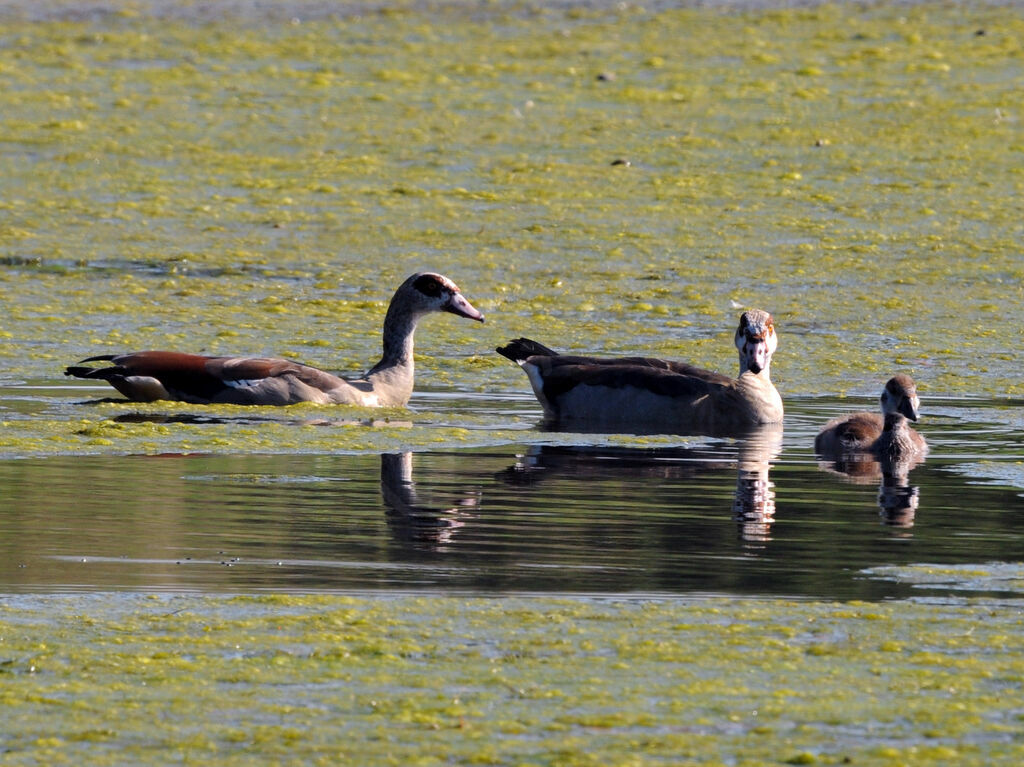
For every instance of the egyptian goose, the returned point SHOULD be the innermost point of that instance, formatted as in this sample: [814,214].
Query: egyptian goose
[886,435]
[645,393]
[153,375]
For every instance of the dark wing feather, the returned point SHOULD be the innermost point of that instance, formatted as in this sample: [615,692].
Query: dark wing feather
[198,378]
[860,429]
[562,374]
[248,368]
[183,375]
[522,349]
[652,364]
[853,432]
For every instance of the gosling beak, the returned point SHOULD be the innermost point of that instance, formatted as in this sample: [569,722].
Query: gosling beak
[909,407]
[458,304]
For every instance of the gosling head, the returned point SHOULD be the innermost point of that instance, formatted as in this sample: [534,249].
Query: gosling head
[900,396]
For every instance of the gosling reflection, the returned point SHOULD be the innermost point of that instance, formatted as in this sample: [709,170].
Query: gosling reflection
[897,498]
[411,521]
[753,507]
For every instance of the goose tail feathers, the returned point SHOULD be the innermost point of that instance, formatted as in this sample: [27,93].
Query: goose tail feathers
[83,371]
[520,349]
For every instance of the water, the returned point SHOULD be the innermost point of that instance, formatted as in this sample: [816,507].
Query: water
[547,513]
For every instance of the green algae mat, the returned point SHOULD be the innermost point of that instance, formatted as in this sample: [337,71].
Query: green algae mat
[431,681]
[611,178]
[608,177]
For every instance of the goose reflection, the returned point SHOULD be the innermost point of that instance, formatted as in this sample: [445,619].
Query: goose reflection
[411,521]
[754,504]
[753,507]
[897,498]
[205,419]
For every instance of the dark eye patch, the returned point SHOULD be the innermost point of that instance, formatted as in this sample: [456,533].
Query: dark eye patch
[428,285]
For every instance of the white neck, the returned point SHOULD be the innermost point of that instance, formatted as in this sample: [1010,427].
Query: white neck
[396,368]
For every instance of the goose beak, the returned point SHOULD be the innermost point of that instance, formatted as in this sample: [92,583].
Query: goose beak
[458,304]
[756,353]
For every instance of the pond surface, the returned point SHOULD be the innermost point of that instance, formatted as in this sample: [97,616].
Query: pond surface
[546,513]
[254,178]
[450,584]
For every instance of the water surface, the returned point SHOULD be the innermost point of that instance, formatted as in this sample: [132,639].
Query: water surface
[545,512]
[252,178]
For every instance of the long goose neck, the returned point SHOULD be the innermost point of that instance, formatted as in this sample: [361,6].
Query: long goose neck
[399,330]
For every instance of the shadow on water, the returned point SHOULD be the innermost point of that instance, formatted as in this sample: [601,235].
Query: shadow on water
[752,515]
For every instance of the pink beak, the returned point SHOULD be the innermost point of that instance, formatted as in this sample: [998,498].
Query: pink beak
[458,304]
[756,353]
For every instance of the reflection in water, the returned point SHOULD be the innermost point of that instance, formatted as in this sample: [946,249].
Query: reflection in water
[205,419]
[753,506]
[897,498]
[170,418]
[410,520]
[693,516]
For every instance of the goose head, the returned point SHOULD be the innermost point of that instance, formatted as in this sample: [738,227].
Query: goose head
[426,292]
[900,396]
[756,341]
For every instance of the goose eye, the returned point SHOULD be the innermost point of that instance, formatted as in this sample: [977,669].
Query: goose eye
[428,285]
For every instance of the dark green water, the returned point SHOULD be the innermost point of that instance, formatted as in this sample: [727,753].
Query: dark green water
[554,514]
